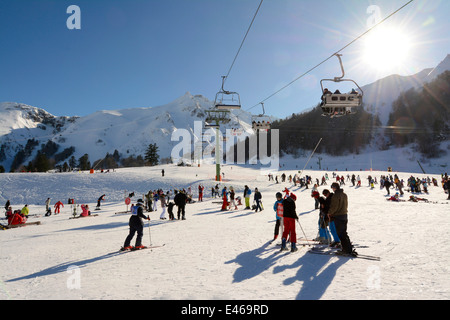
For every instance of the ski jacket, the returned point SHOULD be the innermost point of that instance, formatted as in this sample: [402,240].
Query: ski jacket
[278,208]
[16,218]
[58,204]
[180,199]
[338,204]
[84,211]
[326,203]
[258,196]
[137,214]
[25,211]
[289,208]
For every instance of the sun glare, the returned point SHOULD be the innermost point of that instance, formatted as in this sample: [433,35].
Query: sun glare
[387,49]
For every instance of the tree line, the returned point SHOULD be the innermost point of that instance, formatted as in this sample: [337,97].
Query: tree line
[47,158]
[419,116]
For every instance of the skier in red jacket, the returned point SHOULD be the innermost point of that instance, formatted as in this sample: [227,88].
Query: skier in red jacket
[58,206]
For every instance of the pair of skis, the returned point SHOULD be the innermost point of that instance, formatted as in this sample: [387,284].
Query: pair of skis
[138,249]
[317,248]
[336,253]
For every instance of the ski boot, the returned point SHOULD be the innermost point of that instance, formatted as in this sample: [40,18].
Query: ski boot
[293,247]
[283,245]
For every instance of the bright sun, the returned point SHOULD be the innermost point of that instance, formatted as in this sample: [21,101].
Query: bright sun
[387,49]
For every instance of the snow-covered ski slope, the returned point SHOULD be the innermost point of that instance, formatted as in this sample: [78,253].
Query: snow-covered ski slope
[214,254]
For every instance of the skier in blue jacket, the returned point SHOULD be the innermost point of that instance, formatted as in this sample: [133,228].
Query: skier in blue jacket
[278,208]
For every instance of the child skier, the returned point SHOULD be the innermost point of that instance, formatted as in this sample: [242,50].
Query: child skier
[289,217]
[278,208]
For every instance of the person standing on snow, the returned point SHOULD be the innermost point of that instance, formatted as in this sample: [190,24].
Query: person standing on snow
[102,197]
[200,192]
[163,206]
[338,214]
[136,225]
[278,208]
[224,199]
[7,205]
[247,193]
[58,207]
[48,211]
[180,201]
[232,202]
[289,217]
[257,199]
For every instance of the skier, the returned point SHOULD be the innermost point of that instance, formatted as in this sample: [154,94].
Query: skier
[85,210]
[163,206]
[278,208]
[25,211]
[387,185]
[338,213]
[232,202]
[324,235]
[170,210]
[326,207]
[257,198]
[102,197]
[48,211]
[247,193]
[16,218]
[155,201]
[58,206]
[200,192]
[289,217]
[225,199]
[136,225]
[180,202]
[7,205]
[315,194]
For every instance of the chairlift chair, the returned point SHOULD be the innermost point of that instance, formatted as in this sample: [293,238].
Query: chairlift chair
[227,100]
[261,122]
[338,104]
[214,117]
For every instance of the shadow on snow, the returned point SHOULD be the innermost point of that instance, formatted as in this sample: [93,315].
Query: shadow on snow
[314,273]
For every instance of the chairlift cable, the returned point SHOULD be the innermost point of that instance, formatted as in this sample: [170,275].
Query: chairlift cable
[242,43]
[337,52]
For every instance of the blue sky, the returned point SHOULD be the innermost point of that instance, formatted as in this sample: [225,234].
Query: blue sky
[143,53]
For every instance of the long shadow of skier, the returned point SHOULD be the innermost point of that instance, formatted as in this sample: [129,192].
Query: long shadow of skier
[254,262]
[63,267]
[315,272]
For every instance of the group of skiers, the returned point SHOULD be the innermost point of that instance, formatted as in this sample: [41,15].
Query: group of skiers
[17,216]
[181,197]
[333,213]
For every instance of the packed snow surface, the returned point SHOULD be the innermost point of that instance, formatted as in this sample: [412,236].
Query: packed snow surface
[216,254]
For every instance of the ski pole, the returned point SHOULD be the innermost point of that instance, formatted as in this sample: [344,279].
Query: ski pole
[309,245]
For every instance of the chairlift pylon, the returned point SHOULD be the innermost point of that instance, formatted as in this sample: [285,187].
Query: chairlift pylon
[338,104]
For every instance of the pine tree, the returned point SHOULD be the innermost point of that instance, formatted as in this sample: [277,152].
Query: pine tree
[151,155]
[84,162]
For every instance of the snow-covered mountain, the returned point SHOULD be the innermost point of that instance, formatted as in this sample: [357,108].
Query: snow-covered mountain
[128,131]
[379,96]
